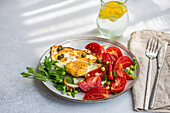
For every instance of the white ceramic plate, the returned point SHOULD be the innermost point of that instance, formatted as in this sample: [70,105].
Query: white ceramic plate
[80,43]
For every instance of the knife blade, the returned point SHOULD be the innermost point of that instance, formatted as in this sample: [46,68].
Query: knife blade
[160,61]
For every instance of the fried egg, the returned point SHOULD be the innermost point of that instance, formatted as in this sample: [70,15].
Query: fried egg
[76,64]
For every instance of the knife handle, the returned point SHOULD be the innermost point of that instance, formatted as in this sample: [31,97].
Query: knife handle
[154,89]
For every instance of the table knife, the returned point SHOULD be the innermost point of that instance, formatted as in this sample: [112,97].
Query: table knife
[159,67]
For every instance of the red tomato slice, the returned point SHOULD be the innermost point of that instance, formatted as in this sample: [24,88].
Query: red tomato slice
[128,77]
[95,48]
[119,70]
[114,50]
[96,72]
[110,73]
[105,57]
[90,83]
[108,57]
[118,85]
[113,58]
[124,60]
[96,93]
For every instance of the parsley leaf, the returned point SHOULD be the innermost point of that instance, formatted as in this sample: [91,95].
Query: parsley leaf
[47,70]
[32,74]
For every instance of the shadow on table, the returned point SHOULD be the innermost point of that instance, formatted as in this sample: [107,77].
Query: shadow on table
[54,22]
[48,22]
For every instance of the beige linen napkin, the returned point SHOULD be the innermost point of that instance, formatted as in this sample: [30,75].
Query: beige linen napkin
[137,46]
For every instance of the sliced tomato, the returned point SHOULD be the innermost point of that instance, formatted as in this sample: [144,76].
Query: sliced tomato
[105,58]
[124,60]
[115,51]
[90,83]
[119,70]
[96,72]
[128,77]
[118,84]
[95,48]
[113,58]
[108,57]
[110,72]
[96,93]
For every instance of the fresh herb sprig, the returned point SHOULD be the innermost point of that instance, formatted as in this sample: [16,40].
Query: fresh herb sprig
[32,74]
[47,70]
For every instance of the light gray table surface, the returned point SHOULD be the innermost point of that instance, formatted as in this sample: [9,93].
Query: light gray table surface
[29,27]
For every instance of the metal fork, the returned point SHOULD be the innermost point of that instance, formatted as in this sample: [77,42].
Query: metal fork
[151,53]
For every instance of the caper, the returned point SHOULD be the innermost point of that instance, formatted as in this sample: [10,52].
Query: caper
[62,47]
[73,89]
[83,55]
[70,90]
[78,89]
[59,49]
[98,61]
[59,57]
[67,88]
[62,55]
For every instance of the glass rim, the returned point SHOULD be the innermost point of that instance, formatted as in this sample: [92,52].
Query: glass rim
[113,5]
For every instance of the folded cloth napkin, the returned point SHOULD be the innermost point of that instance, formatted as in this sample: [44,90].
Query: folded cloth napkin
[137,45]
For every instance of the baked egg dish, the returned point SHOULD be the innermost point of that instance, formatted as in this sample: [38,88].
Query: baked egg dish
[78,62]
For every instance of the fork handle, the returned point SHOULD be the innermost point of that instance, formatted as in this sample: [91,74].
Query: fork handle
[148,84]
[154,89]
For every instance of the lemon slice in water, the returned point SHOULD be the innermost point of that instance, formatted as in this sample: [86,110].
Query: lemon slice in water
[112,10]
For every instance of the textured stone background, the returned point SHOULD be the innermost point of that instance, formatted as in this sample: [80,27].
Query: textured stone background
[29,27]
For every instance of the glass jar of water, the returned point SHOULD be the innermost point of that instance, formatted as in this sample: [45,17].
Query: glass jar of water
[113,18]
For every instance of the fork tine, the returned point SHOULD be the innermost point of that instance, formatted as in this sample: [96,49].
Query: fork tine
[149,44]
[152,45]
[156,49]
